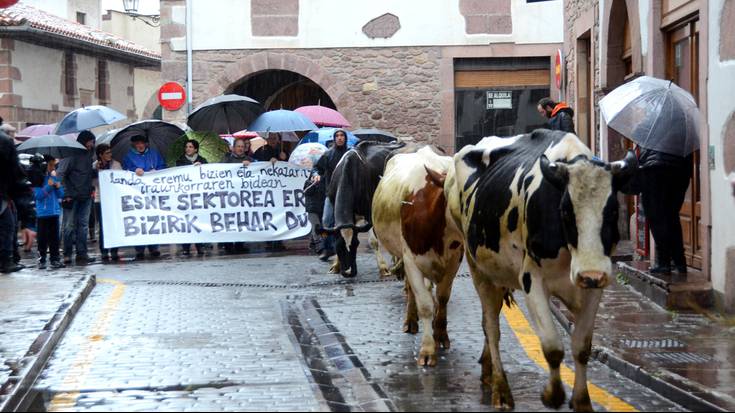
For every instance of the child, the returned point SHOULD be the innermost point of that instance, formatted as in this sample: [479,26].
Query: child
[48,194]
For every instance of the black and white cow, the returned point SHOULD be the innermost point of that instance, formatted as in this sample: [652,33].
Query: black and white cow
[538,214]
[351,191]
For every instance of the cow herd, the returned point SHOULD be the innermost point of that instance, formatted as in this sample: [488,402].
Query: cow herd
[535,213]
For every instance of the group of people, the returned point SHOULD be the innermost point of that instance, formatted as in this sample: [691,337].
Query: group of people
[63,194]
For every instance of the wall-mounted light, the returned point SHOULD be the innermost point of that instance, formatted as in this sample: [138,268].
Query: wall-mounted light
[131,9]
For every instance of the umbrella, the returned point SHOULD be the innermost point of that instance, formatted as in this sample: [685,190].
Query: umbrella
[40,130]
[307,154]
[374,135]
[87,118]
[281,121]
[654,113]
[160,135]
[52,145]
[106,137]
[211,147]
[326,135]
[224,114]
[324,116]
[257,143]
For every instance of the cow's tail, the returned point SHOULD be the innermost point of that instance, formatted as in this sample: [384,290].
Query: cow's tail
[335,230]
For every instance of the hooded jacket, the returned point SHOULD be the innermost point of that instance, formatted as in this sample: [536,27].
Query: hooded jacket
[149,160]
[48,198]
[562,118]
[326,165]
[79,172]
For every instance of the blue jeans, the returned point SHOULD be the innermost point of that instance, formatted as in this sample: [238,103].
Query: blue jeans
[8,231]
[76,226]
[328,222]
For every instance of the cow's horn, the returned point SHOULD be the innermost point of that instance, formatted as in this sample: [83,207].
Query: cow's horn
[625,167]
[556,173]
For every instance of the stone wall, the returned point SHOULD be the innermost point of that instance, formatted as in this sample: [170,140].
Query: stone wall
[396,89]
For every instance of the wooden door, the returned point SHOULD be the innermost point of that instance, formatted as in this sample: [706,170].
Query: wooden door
[683,69]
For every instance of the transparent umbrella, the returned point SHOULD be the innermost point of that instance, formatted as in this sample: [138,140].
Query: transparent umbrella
[654,113]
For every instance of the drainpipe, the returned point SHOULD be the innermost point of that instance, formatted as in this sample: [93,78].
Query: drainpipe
[189,69]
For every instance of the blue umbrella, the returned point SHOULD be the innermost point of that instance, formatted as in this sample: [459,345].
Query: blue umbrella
[281,121]
[87,118]
[326,135]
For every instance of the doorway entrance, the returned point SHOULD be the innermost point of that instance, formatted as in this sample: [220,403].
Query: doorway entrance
[282,89]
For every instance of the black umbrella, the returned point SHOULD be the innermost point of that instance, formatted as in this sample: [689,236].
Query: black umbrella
[374,135]
[160,135]
[225,114]
[52,145]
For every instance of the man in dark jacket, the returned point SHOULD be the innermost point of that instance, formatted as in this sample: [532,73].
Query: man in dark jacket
[270,152]
[325,167]
[663,180]
[13,185]
[78,187]
[560,116]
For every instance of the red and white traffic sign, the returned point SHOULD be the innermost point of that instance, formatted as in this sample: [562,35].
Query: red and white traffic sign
[171,96]
[558,69]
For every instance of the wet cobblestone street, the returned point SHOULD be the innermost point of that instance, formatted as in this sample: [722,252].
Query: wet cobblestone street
[278,333]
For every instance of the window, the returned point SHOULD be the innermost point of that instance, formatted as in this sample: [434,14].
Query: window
[81,18]
[102,81]
[70,76]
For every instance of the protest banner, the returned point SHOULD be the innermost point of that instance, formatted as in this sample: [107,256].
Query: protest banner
[205,203]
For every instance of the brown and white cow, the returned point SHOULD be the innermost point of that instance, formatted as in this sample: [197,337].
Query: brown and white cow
[411,221]
[539,214]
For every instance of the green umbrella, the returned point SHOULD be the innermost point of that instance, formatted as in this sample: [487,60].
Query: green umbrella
[211,147]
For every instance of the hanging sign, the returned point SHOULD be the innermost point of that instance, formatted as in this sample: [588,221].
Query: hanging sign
[499,100]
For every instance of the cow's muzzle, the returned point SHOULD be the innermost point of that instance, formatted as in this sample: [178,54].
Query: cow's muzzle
[592,279]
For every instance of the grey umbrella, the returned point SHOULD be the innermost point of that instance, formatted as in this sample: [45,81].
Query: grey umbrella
[87,118]
[373,134]
[654,113]
[52,145]
[225,114]
[160,136]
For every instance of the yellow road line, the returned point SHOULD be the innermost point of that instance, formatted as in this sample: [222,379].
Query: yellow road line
[88,351]
[531,343]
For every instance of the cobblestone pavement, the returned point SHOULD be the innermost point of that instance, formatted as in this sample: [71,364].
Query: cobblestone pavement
[277,333]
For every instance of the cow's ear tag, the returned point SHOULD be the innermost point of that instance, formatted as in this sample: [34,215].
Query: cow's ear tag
[554,172]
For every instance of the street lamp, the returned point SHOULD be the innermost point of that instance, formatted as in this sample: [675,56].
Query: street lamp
[131,9]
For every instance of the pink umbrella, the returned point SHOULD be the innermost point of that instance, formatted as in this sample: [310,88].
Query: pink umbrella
[324,116]
[40,130]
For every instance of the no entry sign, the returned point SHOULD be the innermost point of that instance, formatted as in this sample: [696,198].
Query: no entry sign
[171,96]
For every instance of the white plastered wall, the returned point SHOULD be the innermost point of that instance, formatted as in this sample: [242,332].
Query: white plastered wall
[41,75]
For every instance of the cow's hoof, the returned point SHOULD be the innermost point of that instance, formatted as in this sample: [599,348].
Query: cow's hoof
[581,403]
[411,327]
[427,359]
[502,397]
[553,395]
[349,274]
[335,269]
[442,341]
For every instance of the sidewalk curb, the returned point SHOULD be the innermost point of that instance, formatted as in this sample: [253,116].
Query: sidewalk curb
[680,395]
[19,386]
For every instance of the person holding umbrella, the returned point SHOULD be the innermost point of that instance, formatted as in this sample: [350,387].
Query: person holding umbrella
[48,192]
[191,157]
[77,202]
[104,162]
[272,151]
[663,120]
[141,159]
[324,169]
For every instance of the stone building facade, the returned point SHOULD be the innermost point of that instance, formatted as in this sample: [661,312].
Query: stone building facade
[50,66]
[386,65]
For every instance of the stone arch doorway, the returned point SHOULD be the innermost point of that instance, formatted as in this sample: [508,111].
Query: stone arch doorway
[282,89]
